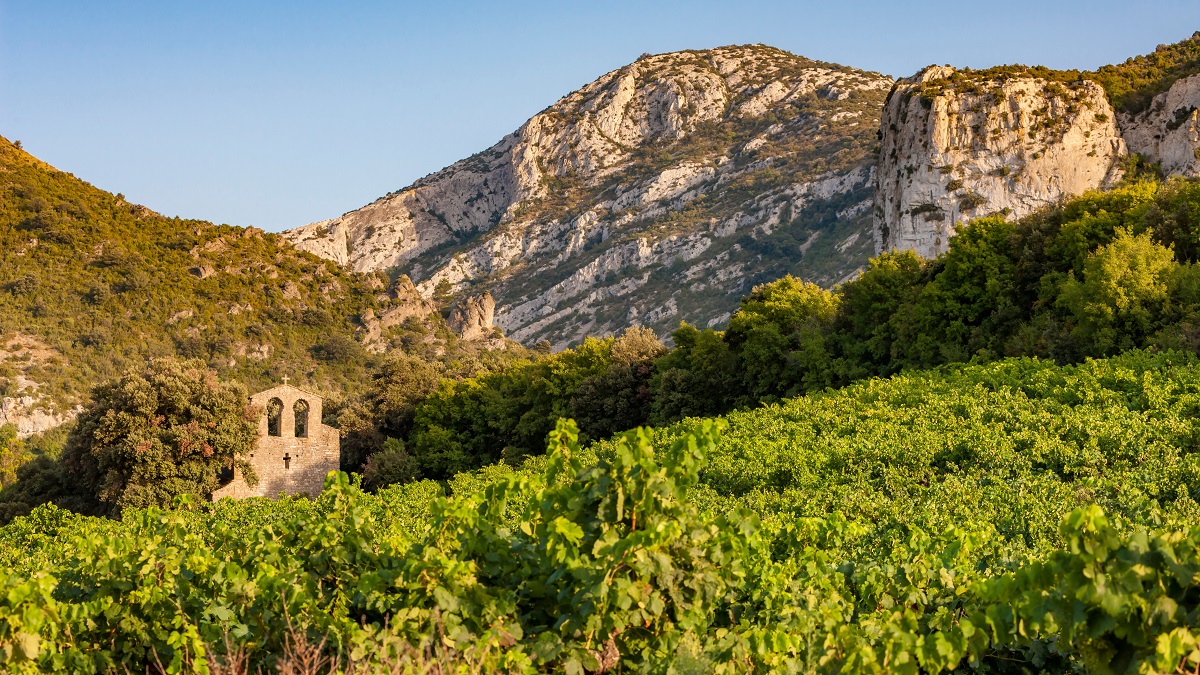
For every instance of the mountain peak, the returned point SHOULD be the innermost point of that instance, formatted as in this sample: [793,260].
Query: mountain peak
[674,157]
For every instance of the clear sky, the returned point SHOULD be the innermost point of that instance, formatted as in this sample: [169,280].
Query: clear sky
[276,114]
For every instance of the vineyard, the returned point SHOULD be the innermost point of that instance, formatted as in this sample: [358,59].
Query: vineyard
[1004,518]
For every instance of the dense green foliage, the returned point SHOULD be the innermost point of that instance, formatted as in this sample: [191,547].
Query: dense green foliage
[450,424]
[170,428]
[1011,517]
[1103,273]
[154,434]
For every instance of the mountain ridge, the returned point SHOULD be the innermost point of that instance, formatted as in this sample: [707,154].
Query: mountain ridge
[661,160]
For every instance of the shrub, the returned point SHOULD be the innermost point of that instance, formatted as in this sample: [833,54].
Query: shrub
[971,201]
[162,431]
[389,466]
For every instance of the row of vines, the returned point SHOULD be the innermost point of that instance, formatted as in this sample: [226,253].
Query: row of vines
[1010,517]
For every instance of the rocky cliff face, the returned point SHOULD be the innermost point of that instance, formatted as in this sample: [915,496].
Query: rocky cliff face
[662,191]
[959,145]
[472,318]
[1168,132]
[21,401]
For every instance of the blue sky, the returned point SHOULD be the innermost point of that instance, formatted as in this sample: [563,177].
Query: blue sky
[276,114]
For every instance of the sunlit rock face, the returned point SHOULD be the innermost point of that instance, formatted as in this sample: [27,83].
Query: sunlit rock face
[660,192]
[955,147]
[1168,132]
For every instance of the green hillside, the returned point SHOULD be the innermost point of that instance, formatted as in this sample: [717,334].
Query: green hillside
[91,285]
[99,284]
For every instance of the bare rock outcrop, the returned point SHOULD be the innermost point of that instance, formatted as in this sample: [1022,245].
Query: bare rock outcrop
[21,403]
[1168,132]
[30,416]
[957,146]
[472,318]
[625,201]
[401,303]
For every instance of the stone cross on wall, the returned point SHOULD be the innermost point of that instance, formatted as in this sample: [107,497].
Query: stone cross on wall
[285,379]
[287,460]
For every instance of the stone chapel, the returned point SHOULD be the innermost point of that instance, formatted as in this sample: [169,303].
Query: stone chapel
[294,451]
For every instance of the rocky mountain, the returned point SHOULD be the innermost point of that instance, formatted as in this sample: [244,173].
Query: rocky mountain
[960,144]
[1167,131]
[660,192]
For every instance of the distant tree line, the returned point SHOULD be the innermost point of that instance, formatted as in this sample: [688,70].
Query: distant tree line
[1094,277]
[1099,275]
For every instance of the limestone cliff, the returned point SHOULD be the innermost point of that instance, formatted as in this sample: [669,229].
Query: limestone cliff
[662,191]
[472,318]
[957,145]
[1168,132]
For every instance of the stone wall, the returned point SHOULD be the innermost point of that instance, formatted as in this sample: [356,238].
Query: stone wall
[288,464]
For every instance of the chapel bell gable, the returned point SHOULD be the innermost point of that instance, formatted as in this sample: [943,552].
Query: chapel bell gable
[294,451]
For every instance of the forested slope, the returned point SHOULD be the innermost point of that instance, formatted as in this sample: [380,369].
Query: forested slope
[91,285]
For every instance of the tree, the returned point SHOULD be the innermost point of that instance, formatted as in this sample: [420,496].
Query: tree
[972,303]
[12,454]
[699,378]
[774,321]
[443,293]
[619,398]
[1124,294]
[864,331]
[388,407]
[165,430]
[339,349]
[390,465]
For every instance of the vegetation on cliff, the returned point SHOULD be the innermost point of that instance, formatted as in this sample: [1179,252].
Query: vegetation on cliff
[1131,85]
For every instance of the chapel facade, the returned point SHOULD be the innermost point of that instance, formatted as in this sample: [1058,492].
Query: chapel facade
[294,451]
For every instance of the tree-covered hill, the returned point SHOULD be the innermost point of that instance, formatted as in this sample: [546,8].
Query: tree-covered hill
[91,285]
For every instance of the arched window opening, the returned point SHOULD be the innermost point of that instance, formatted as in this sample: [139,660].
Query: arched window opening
[274,417]
[301,413]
